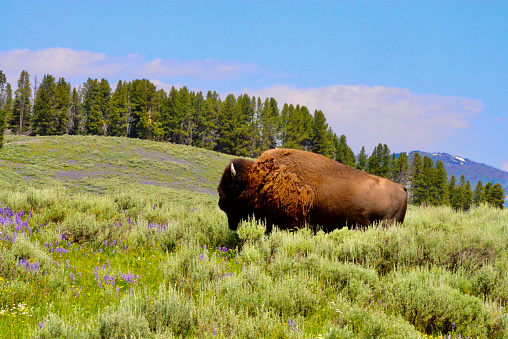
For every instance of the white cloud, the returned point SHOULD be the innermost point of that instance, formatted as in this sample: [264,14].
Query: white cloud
[57,60]
[402,119]
[68,63]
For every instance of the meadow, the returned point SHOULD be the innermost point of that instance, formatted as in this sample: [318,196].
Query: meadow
[122,238]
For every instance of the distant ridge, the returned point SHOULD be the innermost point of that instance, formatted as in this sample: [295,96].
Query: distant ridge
[472,170]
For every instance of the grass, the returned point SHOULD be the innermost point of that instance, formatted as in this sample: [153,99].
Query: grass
[154,261]
[107,165]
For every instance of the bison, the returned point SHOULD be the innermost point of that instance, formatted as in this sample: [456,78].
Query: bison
[291,188]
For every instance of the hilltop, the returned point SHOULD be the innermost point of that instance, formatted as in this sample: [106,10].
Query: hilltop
[111,165]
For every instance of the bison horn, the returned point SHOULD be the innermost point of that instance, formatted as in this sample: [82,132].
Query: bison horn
[233,171]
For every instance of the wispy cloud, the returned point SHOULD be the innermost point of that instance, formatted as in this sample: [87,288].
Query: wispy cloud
[79,65]
[368,115]
[207,69]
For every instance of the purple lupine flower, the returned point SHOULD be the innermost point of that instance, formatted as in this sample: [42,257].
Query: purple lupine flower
[40,324]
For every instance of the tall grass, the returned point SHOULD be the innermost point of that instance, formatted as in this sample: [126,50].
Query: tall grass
[139,266]
[122,238]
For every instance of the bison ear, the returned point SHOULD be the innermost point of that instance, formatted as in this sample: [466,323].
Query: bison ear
[233,171]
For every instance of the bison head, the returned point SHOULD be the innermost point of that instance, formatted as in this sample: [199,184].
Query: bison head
[233,182]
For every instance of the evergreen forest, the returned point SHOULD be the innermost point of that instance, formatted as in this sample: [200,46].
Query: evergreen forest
[237,125]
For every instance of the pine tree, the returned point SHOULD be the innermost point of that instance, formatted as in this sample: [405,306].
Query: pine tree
[303,132]
[426,183]
[103,102]
[456,193]
[478,194]
[91,107]
[344,154]
[415,170]
[494,195]
[74,113]
[62,105]
[44,120]
[297,132]
[400,169]
[362,159]
[247,112]
[441,184]
[170,117]
[269,124]
[197,103]
[8,105]
[286,114]
[207,121]
[379,162]
[186,114]
[468,197]
[21,115]
[320,141]
[142,94]
[230,140]
[119,110]
[385,162]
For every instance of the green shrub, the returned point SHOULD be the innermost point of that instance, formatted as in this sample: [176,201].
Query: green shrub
[53,326]
[432,306]
[82,227]
[169,309]
[123,321]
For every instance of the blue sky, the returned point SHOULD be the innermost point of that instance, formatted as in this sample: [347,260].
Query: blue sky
[427,75]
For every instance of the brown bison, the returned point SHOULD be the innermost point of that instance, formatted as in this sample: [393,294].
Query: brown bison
[289,188]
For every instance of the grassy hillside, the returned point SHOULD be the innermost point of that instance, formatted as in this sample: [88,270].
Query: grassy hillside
[110,165]
[138,262]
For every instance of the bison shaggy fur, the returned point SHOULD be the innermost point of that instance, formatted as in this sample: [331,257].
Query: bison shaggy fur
[292,188]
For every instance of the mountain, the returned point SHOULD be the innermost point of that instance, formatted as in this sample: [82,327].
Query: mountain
[473,171]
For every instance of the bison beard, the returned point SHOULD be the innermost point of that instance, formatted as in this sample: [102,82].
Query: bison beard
[290,188]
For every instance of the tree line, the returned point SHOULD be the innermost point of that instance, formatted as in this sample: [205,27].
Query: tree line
[238,125]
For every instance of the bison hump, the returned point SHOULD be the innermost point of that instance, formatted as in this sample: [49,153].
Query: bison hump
[275,193]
